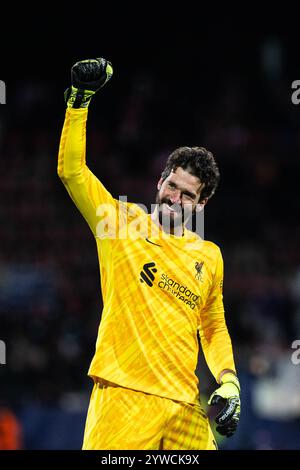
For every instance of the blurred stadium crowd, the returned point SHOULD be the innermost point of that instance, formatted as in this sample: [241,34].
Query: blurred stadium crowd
[50,301]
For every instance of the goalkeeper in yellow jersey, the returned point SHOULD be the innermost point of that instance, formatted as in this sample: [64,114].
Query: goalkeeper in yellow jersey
[161,286]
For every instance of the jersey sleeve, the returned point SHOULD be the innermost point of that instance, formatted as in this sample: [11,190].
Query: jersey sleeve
[214,336]
[87,192]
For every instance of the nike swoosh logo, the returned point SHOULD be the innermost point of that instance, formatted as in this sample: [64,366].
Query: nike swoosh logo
[149,241]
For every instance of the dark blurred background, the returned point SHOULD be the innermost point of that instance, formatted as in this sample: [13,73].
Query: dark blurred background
[181,77]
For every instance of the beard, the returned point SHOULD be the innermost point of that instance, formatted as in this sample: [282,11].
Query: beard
[170,215]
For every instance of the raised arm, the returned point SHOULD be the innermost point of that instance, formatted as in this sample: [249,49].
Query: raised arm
[85,189]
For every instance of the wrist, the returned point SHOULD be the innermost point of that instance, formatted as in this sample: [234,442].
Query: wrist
[78,98]
[230,377]
[76,111]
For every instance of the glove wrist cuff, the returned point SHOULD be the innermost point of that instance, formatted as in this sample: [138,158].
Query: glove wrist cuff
[229,377]
[77,98]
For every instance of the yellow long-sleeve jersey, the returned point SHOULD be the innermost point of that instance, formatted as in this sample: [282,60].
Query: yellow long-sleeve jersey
[158,290]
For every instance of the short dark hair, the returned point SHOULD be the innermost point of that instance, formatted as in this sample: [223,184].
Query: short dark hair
[199,162]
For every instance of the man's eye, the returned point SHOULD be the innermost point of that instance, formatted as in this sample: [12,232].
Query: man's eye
[187,196]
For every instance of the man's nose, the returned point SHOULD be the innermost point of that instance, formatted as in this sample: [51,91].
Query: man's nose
[175,197]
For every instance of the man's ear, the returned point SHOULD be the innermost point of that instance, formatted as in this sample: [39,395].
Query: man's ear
[160,183]
[200,206]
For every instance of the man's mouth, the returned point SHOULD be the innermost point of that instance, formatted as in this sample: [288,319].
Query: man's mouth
[172,209]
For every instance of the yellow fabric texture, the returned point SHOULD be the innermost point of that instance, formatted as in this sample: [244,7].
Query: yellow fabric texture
[158,291]
[120,418]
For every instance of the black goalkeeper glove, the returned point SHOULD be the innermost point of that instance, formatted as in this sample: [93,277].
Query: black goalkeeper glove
[87,77]
[229,395]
